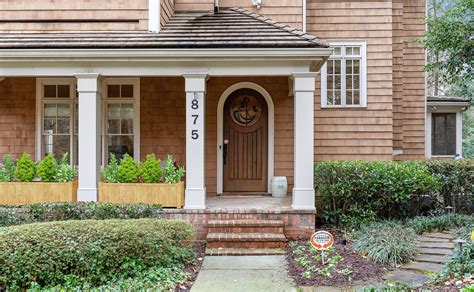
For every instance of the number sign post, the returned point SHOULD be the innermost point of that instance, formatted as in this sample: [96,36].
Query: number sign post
[322,240]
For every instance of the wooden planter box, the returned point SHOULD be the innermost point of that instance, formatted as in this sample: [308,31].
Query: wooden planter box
[166,195]
[21,193]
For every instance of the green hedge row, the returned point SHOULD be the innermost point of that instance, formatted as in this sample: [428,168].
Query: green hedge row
[353,193]
[75,211]
[91,253]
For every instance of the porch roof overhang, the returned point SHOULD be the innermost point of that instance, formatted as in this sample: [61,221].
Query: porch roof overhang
[206,42]
[451,104]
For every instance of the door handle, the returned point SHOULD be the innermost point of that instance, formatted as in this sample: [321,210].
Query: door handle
[225,151]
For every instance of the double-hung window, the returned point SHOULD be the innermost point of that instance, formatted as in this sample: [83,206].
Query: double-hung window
[56,120]
[344,76]
[121,119]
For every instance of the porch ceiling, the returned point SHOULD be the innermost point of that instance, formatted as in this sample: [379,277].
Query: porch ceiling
[232,28]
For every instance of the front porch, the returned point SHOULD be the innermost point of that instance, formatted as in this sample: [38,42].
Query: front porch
[230,94]
[148,115]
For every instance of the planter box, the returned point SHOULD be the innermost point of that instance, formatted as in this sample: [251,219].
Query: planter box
[166,195]
[21,193]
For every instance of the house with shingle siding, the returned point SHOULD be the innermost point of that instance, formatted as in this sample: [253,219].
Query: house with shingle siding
[239,91]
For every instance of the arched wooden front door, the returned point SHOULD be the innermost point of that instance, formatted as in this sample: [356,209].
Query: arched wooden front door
[245,142]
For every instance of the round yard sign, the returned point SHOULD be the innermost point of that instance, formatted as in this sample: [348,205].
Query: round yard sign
[322,240]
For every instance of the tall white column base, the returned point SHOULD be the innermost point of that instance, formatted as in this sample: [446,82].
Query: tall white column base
[87,195]
[303,191]
[90,103]
[303,199]
[195,198]
[195,88]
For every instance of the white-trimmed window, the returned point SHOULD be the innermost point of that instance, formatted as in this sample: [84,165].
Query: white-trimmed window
[121,122]
[56,129]
[344,76]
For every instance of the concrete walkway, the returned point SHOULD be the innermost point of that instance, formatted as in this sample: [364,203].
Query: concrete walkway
[243,273]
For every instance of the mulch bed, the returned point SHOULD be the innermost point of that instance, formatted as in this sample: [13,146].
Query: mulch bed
[362,269]
[193,268]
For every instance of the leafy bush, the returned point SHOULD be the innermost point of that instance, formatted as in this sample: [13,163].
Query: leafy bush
[354,193]
[110,172]
[47,168]
[150,170]
[65,172]
[7,172]
[91,253]
[386,242]
[43,212]
[444,222]
[457,188]
[172,174]
[25,169]
[128,171]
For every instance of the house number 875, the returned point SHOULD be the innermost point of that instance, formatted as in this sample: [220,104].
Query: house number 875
[194,106]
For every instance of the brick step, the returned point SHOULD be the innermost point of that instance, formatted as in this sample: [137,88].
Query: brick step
[246,226]
[423,267]
[244,251]
[437,259]
[434,251]
[245,240]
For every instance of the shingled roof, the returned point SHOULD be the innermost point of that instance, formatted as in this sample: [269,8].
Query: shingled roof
[232,28]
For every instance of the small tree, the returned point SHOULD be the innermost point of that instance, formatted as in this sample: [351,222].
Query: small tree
[150,170]
[171,174]
[128,171]
[25,169]
[110,172]
[65,172]
[7,173]
[47,168]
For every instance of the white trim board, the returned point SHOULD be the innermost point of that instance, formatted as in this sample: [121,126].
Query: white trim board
[220,131]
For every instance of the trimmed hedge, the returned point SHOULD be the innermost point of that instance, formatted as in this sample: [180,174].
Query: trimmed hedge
[90,253]
[75,211]
[357,192]
[354,193]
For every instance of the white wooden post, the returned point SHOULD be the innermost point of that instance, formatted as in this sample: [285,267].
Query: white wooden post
[303,190]
[88,87]
[195,87]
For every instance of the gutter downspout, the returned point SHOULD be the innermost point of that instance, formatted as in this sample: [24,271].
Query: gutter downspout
[304,16]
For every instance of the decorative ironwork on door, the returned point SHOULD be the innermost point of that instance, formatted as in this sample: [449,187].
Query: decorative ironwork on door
[246,111]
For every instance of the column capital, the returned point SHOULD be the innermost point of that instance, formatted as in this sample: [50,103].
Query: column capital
[304,81]
[88,82]
[195,82]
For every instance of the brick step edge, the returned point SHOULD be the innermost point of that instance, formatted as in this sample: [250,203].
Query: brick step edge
[243,251]
[246,223]
[246,237]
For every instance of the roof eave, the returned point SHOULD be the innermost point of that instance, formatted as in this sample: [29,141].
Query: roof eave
[215,54]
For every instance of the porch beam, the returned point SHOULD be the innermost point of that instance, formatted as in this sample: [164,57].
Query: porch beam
[303,190]
[90,101]
[195,87]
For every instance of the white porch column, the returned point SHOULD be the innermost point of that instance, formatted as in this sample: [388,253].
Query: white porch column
[195,87]
[88,87]
[303,190]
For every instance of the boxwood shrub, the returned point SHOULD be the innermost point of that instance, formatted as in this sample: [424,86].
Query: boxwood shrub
[90,253]
[42,212]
